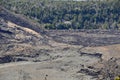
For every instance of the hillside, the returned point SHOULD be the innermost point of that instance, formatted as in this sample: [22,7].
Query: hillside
[30,52]
[18,19]
[28,56]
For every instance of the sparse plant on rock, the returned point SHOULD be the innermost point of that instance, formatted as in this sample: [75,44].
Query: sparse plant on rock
[110,70]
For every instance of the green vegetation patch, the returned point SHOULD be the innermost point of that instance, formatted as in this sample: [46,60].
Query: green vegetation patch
[70,14]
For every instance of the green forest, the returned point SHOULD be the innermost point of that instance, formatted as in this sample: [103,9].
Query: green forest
[58,14]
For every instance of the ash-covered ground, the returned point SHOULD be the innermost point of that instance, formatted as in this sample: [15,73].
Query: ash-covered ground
[30,53]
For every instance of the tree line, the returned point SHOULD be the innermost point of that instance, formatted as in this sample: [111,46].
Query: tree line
[55,14]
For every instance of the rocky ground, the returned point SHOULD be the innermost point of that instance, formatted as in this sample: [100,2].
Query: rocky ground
[26,54]
[86,37]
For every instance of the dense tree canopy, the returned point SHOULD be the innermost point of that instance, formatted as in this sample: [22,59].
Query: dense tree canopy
[52,14]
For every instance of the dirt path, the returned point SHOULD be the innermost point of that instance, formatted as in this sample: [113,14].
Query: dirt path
[7,65]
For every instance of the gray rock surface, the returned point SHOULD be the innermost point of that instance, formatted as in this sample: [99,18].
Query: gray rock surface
[26,54]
